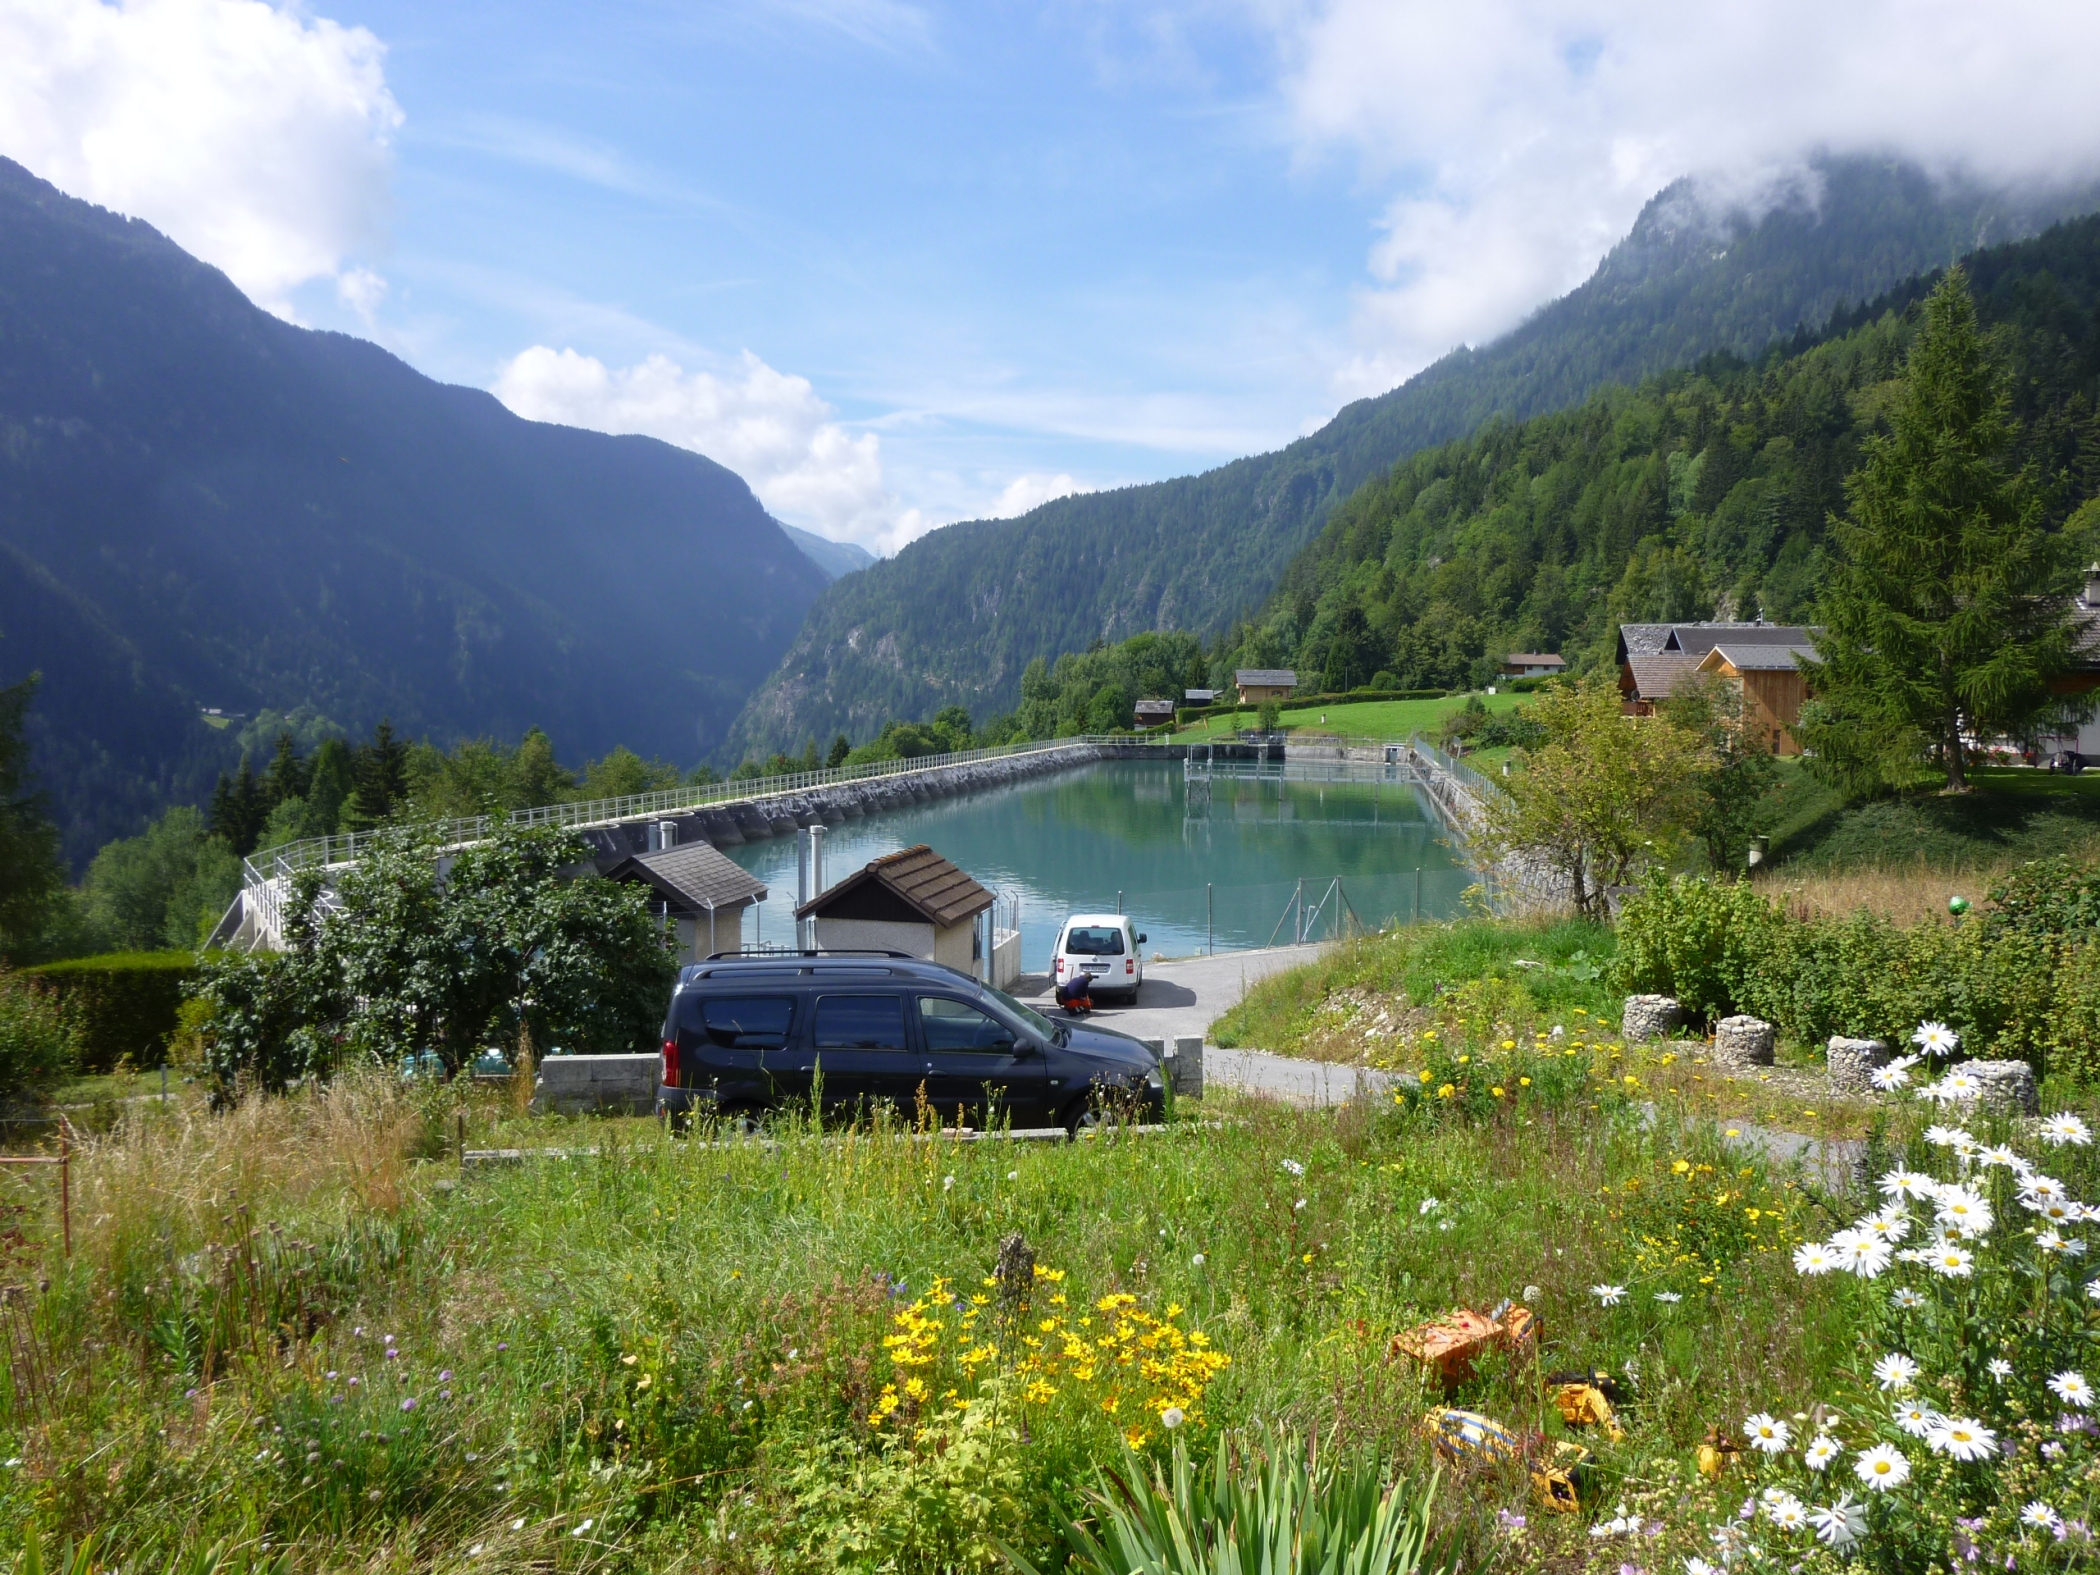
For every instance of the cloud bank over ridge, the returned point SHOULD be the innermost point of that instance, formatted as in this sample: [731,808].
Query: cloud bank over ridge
[1521,137]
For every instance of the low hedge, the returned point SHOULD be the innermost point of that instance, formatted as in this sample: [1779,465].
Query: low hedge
[123,1005]
[2013,986]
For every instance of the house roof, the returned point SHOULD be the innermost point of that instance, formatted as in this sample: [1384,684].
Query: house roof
[919,878]
[1155,705]
[1533,659]
[1200,696]
[1266,677]
[1755,658]
[693,879]
[1653,639]
[1657,677]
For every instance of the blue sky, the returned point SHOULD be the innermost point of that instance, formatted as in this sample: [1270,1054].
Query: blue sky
[902,262]
[1010,242]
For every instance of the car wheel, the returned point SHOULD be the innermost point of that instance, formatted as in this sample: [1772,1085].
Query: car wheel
[1084,1115]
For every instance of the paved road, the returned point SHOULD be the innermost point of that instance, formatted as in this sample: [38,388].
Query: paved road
[1185,997]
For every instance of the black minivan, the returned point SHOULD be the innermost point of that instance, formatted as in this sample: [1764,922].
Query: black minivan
[750,1033]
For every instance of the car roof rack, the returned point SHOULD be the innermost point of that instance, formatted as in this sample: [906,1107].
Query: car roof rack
[783,956]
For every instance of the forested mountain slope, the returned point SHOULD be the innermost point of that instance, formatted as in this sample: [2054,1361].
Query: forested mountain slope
[1702,493]
[956,616]
[201,505]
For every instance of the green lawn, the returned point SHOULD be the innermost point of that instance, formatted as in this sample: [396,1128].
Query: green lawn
[1395,719]
[2011,815]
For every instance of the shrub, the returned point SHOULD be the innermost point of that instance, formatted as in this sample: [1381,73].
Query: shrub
[1696,940]
[124,1005]
[37,1039]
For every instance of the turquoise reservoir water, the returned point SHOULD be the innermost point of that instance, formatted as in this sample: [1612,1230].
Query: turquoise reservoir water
[1070,843]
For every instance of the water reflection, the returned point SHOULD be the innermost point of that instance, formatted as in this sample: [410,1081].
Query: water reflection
[1073,842]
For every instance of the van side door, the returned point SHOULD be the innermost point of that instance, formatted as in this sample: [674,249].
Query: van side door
[747,1045]
[977,1064]
[863,1050]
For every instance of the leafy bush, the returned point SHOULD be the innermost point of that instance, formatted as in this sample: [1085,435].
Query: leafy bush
[124,1005]
[1720,948]
[37,1039]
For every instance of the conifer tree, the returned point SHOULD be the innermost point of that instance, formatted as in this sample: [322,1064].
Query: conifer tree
[1944,621]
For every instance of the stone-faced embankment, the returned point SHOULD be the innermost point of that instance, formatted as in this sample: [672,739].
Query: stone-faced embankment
[782,814]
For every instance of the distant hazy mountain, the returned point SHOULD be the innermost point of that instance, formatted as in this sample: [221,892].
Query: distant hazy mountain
[835,558]
[202,506]
[957,615]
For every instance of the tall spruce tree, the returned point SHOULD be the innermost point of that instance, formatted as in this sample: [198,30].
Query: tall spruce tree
[1944,619]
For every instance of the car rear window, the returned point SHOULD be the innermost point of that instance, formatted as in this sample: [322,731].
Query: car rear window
[860,1022]
[741,1022]
[1087,941]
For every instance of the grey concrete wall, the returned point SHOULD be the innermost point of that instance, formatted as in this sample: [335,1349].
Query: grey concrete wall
[573,1085]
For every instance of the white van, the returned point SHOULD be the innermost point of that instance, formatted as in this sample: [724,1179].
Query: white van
[1103,946]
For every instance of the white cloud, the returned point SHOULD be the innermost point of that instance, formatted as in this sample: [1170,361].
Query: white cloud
[769,427]
[1026,492]
[255,136]
[1522,136]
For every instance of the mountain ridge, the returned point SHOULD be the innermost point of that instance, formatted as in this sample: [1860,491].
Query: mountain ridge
[955,617]
[201,505]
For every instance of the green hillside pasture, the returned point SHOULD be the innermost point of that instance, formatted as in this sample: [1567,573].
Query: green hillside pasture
[2014,814]
[1393,719]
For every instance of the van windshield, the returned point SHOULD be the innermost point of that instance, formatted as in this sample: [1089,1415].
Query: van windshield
[1089,941]
[1055,1032]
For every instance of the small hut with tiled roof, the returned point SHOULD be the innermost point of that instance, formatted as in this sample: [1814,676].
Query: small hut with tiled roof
[703,892]
[914,902]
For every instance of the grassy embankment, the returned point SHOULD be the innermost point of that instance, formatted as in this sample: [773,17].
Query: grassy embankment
[1385,719]
[667,1356]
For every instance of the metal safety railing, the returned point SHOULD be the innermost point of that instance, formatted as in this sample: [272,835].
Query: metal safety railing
[267,876]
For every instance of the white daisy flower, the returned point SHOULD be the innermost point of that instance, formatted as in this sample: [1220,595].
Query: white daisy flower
[2054,1212]
[1956,1085]
[1294,1167]
[1891,1224]
[1609,1295]
[1964,1212]
[1698,1566]
[1962,1437]
[2092,1290]
[2072,1389]
[2050,1241]
[1917,1420]
[1895,1372]
[1910,1183]
[1429,1205]
[1840,1524]
[1813,1257]
[1767,1433]
[2043,1188]
[1904,1299]
[1999,1368]
[1882,1467]
[1788,1514]
[2000,1155]
[1936,1039]
[1888,1079]
[2064,1128]
[1670,1298]
[1866,1256]
[2041,1516]
[1946,1137]
[1822,1449]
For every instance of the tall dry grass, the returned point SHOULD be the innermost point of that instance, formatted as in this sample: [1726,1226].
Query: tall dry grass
[1906,895]
[183,1179]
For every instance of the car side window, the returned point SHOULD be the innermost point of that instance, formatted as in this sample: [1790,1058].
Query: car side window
[957,1025]
[747,1022]
[861,1022]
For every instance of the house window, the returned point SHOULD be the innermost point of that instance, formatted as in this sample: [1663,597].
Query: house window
[1775,740]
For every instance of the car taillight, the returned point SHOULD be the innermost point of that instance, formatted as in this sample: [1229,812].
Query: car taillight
[670,1063]
[1060,965]
[1130,965]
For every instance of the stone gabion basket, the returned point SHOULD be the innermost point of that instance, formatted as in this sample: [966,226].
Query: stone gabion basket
[2009,1085]
[1853,1063]
[1650,1017]
[1743,1042]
